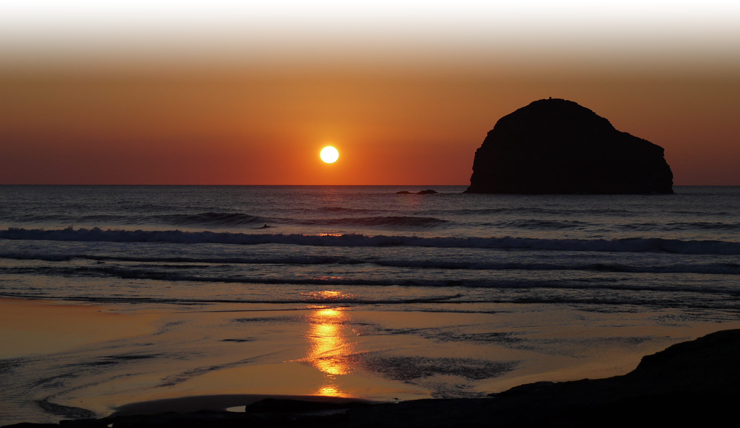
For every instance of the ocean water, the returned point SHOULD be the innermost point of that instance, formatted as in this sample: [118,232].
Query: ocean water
[368,292]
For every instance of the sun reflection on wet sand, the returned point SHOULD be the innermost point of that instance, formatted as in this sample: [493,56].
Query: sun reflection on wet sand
[328,348]
[328,345]
[330,391]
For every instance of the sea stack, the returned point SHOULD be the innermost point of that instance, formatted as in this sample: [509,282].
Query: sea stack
[557,146]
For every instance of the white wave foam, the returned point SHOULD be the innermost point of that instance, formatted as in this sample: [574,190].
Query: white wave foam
[358,240]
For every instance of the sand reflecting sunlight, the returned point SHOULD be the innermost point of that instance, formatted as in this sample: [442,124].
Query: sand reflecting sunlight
[328,348]
[330,391]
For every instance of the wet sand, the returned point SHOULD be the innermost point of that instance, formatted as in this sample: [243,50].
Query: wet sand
[688,384]
[30,327]
[64,361]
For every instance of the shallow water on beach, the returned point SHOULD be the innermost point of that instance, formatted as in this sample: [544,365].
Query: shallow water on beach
[349,291]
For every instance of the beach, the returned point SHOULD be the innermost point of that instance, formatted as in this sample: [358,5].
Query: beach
[147,299]
[690,382]
[369,214]
[291,354]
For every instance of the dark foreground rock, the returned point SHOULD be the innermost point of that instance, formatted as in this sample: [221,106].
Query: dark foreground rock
[557,146]
[689,384]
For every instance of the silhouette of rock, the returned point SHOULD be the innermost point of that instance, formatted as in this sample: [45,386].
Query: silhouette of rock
[284,405]
[403,192]
[558,146]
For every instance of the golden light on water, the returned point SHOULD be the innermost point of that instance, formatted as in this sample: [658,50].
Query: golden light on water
[331,294]
[330,391]
[326,295]
[329,349]
[329,154]
[328,344]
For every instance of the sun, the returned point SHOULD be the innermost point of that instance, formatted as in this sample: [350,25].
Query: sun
[329,154]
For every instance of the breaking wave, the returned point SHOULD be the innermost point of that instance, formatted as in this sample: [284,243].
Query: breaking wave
[358,240]
[682,226]
[174,276]
[231,219]
[535,224]
[722,268]
[205,218]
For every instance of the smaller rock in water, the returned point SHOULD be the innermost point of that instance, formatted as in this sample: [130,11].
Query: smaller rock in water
[427,192]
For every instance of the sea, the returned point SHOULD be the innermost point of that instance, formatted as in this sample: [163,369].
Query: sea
[354,291]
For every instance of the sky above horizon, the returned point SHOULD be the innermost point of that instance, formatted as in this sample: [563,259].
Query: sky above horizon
[232,93]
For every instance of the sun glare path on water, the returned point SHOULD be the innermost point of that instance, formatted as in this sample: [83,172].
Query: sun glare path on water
[329,154]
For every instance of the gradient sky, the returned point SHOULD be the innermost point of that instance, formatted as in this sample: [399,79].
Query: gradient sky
[225,93]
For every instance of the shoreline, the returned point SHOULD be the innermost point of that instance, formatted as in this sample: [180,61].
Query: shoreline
[319,343]
[690,382]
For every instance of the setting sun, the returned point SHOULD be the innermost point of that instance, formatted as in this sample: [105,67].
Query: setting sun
[329,154]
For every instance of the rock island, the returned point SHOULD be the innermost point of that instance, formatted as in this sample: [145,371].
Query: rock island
[557,146]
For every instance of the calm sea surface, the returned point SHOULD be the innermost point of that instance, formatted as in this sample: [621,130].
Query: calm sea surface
[361,250]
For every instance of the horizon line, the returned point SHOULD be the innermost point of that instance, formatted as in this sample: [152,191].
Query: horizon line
[265,185]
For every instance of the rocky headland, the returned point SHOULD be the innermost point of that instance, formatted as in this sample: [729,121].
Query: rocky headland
[556,146]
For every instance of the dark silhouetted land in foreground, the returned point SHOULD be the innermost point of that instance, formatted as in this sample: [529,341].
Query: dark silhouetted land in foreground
[689,384]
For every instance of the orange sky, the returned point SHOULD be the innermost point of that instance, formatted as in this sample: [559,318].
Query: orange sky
[405,102]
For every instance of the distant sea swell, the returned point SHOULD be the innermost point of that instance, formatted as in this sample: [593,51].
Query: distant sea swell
[727,268]
[359,240]
[229,219]
[471,218]
[538,290]
[719,267]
